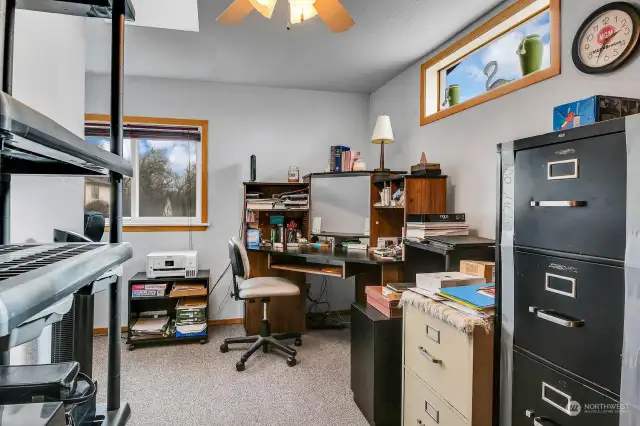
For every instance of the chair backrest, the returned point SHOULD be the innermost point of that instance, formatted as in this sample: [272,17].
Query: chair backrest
[94,225]
[239,263]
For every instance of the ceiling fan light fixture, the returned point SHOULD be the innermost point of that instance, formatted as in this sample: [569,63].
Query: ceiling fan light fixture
[265,7]
[301,10]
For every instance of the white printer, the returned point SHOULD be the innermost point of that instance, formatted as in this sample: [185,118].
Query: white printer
[183,264]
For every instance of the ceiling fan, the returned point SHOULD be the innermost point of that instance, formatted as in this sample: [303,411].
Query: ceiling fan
[332,12]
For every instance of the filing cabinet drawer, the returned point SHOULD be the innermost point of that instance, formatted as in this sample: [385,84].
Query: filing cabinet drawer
[572,314]
[441,356]
[423,407]
[572,196]
[545,397]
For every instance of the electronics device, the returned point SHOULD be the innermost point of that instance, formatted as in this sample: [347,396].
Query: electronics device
[182,264]
[253,168]
[316,225]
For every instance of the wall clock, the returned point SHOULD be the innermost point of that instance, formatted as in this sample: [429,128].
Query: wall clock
[607,38]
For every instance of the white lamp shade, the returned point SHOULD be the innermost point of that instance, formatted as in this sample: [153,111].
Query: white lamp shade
[382,133]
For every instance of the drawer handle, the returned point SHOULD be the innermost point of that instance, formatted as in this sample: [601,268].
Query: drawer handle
[571,203]
[425,354]
[556,317]
[543,421]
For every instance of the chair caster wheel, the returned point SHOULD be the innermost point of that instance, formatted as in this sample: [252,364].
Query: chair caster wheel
[131,347]
[202,342]
[298,342]
[291,362]
[265,348]
[224,348]
[240,366]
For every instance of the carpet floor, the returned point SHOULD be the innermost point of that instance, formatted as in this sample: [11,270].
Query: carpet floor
[196,384]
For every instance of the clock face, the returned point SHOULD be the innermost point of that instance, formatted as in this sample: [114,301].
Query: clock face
[606,38]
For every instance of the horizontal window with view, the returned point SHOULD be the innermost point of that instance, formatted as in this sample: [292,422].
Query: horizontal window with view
[168,189]
[518,47]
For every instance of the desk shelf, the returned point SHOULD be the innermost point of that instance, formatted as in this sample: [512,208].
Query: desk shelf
[315,269]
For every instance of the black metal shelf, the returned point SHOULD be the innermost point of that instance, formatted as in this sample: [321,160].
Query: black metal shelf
[85,8]
[39,145]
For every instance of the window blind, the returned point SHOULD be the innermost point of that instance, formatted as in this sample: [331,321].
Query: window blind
[146,131]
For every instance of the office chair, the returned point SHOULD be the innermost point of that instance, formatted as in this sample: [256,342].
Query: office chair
[262,288]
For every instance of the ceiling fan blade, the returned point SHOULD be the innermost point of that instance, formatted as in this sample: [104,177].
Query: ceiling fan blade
[265,9]
[334,14]
[236,12]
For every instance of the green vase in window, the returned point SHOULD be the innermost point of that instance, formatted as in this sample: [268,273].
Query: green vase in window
[530,51]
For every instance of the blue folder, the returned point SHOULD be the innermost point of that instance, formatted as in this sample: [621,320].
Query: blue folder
[468,295]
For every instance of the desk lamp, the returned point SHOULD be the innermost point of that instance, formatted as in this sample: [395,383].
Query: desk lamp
[382,135]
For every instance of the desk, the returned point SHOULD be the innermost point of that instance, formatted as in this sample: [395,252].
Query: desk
[288,314]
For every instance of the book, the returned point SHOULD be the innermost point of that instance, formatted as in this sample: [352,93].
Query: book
[435,217]
[338,157]
[162,286]
[400,287]
[147,293]
[468,296]
[435,281]
[332,159]
[489,291]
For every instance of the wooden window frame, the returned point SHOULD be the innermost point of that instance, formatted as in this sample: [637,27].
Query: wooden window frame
[552,71]
[204,125]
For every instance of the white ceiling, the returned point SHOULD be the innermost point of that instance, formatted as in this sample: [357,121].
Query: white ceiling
[389,35]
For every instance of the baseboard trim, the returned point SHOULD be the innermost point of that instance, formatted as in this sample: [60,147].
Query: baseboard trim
[226,321]
[104,331]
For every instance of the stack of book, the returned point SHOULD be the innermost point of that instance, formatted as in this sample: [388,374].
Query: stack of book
[191,317]
[422,226]
[340,159]
[148,290]
[293,201]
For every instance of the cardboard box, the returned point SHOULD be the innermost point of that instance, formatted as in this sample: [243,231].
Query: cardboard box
[434,281]
[479,269]
[593,110]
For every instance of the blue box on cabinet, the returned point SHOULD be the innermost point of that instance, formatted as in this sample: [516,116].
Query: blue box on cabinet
[592,110]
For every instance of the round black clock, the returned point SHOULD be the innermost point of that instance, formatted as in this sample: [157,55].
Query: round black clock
[607,38]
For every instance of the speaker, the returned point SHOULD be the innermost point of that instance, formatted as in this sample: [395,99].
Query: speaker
[253,168]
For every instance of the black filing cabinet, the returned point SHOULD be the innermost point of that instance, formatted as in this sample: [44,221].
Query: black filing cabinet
[376,365]
[568,214]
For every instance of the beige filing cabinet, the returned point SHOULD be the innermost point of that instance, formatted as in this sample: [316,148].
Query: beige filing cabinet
[447,373]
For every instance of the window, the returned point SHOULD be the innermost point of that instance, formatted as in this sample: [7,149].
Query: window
[517,48]
[169,186]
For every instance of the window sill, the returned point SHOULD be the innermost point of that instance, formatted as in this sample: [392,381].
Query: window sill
[145,227]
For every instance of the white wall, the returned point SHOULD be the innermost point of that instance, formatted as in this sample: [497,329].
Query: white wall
[281,127]
[48,75]
[465,143]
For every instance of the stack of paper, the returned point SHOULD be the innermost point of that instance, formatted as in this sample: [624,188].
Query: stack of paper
[188,289]
[421,230]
